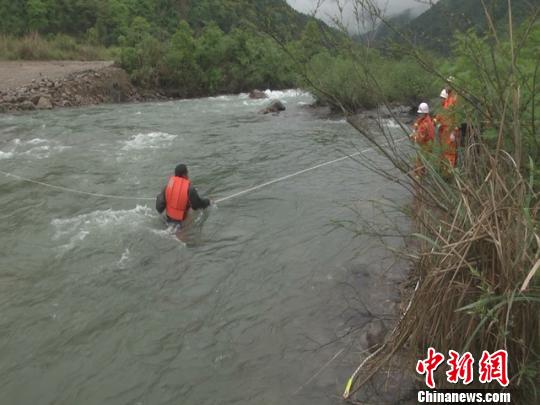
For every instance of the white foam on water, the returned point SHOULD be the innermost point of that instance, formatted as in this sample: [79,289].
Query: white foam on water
[72,231]
[260,101]
[222,98]
[5,155]
[124,258]
[341,121]
[74,241]
[36,141]
[39,152]
[101,219]
[390,123]
[168,233]
[36,148]
[152,140]
[281,94]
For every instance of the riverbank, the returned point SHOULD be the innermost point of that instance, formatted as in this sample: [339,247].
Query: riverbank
[31,85]
[42,85]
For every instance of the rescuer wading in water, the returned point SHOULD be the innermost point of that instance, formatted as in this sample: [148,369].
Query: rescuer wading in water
[179,196]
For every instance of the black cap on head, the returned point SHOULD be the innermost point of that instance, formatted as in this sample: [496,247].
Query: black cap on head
[181,170]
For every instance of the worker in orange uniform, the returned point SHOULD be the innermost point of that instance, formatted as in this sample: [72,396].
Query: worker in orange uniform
[179,196]
[423,135]
[448,132]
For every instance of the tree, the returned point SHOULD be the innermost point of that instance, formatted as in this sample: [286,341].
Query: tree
[180,67]
[37,15]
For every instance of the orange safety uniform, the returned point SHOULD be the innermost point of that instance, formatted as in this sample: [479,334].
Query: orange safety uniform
[424,134]
[448,132]
[177,198]
[450,101]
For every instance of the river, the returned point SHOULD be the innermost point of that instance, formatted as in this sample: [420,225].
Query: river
[100,302]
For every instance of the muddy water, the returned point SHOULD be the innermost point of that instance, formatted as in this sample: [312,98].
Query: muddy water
[100,303]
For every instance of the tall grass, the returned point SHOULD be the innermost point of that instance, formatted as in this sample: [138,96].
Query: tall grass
[58,47]
[477,260]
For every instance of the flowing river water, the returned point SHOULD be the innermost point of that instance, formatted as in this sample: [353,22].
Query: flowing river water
[100,303]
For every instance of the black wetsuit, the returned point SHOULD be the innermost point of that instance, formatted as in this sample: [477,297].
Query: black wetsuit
[195,201]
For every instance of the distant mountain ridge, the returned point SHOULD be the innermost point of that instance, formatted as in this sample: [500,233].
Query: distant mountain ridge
[435,27]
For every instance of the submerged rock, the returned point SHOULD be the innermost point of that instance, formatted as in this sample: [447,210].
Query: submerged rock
[274,107]
[26,105]
[257,94]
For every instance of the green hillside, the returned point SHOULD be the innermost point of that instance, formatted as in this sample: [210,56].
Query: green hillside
[105,21]
[184,47]
[434,28]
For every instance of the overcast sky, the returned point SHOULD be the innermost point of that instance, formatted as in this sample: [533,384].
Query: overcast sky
[329,10]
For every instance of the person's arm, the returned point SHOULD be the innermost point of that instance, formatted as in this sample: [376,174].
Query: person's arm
[161,203]
[195,201]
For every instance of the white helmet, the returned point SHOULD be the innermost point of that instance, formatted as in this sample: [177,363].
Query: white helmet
[444,94]
[423,108]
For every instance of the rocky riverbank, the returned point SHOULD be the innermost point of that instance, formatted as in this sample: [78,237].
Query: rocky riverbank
[46,85]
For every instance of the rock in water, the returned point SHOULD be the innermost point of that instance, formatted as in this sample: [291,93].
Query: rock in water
[26,105]
[375,333]
[274,107]
[257,94]
[44,103]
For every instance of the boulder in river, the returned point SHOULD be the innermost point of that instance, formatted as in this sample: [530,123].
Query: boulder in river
[44,103]
[26,105]
[257,94]
[274,107]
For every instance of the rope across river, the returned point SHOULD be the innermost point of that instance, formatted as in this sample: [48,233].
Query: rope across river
[219,200]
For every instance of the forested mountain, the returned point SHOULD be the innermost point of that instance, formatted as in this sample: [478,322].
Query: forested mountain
[106,20]
[435,27]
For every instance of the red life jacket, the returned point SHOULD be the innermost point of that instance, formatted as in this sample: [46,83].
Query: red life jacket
[177,198]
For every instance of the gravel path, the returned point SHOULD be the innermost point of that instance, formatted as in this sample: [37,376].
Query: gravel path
[20,73]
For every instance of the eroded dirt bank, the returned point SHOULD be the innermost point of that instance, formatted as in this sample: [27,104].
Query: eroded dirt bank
[30,85]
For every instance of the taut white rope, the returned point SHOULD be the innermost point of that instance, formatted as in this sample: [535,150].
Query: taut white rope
[71,190]
[249,190]
[219,200]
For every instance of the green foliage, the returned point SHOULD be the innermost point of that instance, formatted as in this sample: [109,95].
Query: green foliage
[188,65]
[485,73]
[341,78]
[189,48]
[181,70]
[37,15]
[351,76]
[405,81]
[59,47]
[112,18]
